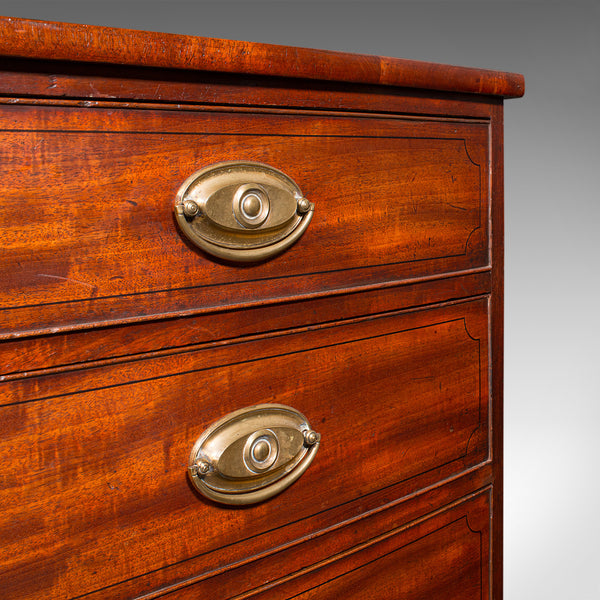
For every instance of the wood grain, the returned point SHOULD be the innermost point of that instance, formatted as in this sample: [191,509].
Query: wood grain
[120,343]
[89,206]
[497,340]
[92,468]
[61,83]
[43,354]
[85,43]
[444,557]
[376,551]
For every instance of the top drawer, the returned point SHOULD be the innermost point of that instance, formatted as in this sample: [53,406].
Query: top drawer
[88,229]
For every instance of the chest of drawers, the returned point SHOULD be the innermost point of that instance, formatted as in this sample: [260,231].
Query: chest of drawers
[251,320]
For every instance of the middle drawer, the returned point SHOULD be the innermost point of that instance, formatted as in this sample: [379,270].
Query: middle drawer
[398,398]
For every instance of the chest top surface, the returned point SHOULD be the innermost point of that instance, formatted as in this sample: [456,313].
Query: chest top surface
[22,38]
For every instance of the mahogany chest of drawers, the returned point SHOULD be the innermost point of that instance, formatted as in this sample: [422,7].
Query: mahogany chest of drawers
[251,320]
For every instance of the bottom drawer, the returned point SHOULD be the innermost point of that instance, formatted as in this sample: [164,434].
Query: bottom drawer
[444,555]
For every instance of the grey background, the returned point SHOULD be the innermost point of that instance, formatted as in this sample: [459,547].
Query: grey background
[552,149]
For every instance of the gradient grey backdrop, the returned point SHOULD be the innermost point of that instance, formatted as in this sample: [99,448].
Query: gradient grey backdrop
[552,148]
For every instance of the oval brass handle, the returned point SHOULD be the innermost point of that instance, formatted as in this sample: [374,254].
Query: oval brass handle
[252,454]
[242,211]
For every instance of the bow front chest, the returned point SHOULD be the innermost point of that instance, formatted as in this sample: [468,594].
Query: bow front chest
[250,320]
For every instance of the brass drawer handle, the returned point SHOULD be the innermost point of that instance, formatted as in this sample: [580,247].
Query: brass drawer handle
[242,211]
[252,454]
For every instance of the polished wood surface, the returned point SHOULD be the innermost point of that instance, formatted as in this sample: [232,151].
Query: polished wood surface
[29,355]
[388,554]
[378,184]
[120,343]
[108,476]
[35,39]
[443,557]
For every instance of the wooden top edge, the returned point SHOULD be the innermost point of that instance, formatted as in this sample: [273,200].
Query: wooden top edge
[24,38]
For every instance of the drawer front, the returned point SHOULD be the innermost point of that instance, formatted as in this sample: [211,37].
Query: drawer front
[101,454]
[88,229]
[88,347]
[445,557]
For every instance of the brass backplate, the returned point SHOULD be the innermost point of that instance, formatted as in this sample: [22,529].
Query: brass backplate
[242,211]
[252,454]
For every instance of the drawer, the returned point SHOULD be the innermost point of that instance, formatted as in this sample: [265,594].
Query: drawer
[445,557]
[89,234]
[96,459]
[91,347]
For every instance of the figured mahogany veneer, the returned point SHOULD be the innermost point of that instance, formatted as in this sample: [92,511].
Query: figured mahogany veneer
[84,43]
[378,184]
[424,374]
[120,342]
